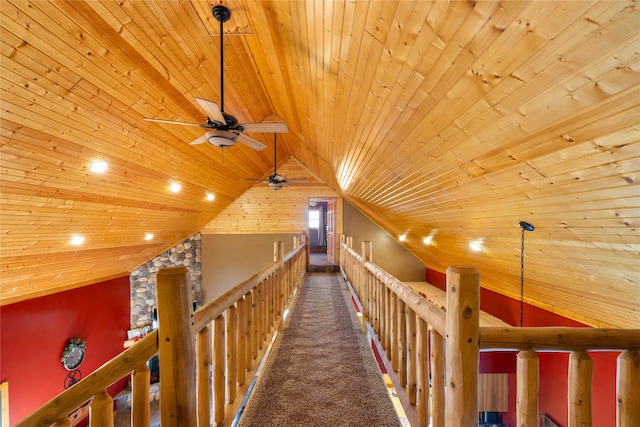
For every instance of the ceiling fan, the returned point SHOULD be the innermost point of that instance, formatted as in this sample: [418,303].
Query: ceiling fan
[275,180]
[223,128]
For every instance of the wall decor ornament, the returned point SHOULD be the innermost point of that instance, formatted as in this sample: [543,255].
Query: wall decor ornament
[73,354]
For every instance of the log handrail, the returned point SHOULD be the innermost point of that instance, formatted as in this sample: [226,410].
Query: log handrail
[286,269]
[93,384]
[559,338]
[383,300]
[210,311]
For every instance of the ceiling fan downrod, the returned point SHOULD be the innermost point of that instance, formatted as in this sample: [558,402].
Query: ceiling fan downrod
[222,14]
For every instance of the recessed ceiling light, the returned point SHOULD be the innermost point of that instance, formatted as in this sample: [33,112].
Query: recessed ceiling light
[403,237]
[175,187]
[210,197]
[476,245]
[99,167]
[427,240]
[76,240]
[148,236]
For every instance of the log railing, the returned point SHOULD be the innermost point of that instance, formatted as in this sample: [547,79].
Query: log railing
[408,325]
[241,322]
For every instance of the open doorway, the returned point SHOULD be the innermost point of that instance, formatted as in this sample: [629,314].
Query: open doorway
[321,231]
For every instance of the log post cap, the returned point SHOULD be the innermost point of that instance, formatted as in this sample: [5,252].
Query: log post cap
[171,271]
[462,269]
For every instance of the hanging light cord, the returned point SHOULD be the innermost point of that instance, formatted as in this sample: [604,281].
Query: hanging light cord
[525,227]
[522,279]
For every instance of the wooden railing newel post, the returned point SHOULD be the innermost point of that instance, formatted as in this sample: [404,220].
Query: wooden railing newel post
[462,348]
[176,343]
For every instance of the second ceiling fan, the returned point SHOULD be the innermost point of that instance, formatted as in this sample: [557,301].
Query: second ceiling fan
[223,128]
[275,180]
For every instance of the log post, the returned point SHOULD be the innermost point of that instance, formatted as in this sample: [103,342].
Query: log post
[394,330]
[527,389]
[140,409]
[218,370]
[386,320]
[422,399]
[203,345]
[63,422]
[232,353]
[101,410]
[437,379]
[401,324]
[252,350]
[462,350]
[580,374]
[176,345]
[628,389]
[412,355]
[242,341]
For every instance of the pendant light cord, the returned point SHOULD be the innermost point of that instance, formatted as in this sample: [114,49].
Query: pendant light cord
[522,279]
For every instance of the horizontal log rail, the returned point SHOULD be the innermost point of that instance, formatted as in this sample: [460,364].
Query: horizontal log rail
[392,310]
[58,408]
[559,338]
[230,330]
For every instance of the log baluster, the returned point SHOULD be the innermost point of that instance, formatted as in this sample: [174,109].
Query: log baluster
[203,354]
[437,378]
[218,369]
[101,410]
[140,409]
[527,389]
[232,353]
[580,374]
[242,341]
[628,389]
[422,377]
[412,357]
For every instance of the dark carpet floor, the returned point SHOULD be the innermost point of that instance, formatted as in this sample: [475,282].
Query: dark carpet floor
[321,371]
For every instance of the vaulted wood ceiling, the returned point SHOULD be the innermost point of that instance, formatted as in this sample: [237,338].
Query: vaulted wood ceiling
[450,121]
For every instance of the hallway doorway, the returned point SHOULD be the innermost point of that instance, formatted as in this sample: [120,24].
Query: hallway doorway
[321,231]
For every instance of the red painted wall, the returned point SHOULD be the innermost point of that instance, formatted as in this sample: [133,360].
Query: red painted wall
[553,367]
[35,332]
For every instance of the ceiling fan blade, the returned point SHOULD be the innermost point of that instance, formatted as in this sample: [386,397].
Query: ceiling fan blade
[266,127]
[212,110]
[173,122]
[297,181]
[200,140]
[251,142]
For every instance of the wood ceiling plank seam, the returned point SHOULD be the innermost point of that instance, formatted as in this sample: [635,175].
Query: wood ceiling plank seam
[375,26]
[35,47]
[277,81]
[126,166]
[599,115]
[134,61]
[42,122]
[159,56]
[353,69]
[397,57]
[543,59]
[33,88]
[299,40]
[350,34]
[334,27]
[502,91]
[356,111]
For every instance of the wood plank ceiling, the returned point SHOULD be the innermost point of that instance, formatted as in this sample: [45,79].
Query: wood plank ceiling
[444,121]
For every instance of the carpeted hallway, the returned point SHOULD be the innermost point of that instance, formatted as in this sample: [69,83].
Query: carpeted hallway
[321,371]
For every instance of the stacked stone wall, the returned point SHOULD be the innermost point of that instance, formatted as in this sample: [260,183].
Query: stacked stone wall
[144,298]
